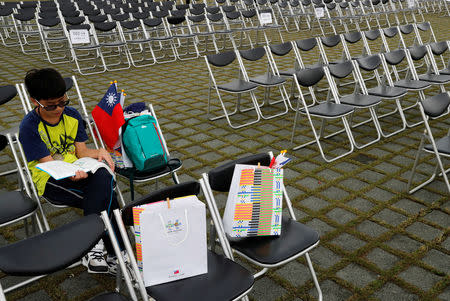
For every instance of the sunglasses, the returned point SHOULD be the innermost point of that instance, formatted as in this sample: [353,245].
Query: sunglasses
[62,104]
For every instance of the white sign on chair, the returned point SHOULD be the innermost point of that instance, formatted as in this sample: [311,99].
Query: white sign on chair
[320,12]
[79,36]
[266,18]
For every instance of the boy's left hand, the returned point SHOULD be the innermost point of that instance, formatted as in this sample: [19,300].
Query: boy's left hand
[104,155]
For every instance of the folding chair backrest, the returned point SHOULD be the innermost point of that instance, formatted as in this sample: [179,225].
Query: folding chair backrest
[220,177]
[171,192]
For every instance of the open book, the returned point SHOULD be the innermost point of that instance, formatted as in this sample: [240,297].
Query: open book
[60,169]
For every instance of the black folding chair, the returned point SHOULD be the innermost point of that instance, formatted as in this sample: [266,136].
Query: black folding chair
[267,252]
[225,279]
[58,249]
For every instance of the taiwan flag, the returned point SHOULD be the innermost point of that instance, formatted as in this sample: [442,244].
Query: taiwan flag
[108,116]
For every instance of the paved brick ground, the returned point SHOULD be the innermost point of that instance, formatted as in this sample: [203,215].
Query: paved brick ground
[377,241]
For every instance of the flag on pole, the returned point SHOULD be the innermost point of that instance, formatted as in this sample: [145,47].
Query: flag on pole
[108,116]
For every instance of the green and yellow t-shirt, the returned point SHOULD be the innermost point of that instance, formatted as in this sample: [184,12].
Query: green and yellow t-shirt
[40,139]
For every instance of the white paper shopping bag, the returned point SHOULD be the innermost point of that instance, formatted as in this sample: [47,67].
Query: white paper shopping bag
[254,204]
[172,241]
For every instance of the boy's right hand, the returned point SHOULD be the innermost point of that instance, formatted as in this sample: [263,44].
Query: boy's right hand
[79,175]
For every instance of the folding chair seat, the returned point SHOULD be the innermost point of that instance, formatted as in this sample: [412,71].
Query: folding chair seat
[285,63]
[54,40]
[225,279]
[138,45]
[88,57]
[326,110]
[56,250]
[184,40]
[432,108]
[384,89]
[287,15]
[112,46]
[8,34]
[27,32]
[266,252]
[16,206]
[160,40]
[259,57]
[218,30]
[420,52]
[439,49]
[359,98]
[221,65]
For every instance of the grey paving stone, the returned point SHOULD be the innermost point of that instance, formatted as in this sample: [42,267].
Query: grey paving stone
[340,215]
[445,296]
[395,185]
[65,218]
[438,217]
[211,156]
[78,285]
[296,273]
[320,226]
[379,194]
[409,206]
[424,231]
[331,291]
[384,260]
[348,242]
[390,217]
[403,243]
[328,174]
[371,228]
[387,168]
[334,193]
[353,184]
[356,275]
[361,204]
[380,153]
[438,260]
[419,277]
[346,166]
[314,203]
[446,243]
[428,196]
[390,291]
[307,166]
[3,241]
[370,176]
[323,257]
[260,291]
[194,149]
[37,296]
[309,183]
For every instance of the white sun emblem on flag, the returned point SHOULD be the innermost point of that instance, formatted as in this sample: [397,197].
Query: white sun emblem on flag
[111,99]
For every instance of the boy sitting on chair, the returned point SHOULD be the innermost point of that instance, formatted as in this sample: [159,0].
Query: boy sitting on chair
[54,131]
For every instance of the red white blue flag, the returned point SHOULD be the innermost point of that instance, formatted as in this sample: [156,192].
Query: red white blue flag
[108,116]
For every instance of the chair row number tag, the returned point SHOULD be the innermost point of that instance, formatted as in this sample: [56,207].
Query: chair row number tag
[79,36]
[320,13]
[266,18]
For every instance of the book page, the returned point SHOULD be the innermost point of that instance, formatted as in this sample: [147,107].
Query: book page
[88,164]
[58,169]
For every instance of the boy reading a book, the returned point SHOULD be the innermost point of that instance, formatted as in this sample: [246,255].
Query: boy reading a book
[55,131]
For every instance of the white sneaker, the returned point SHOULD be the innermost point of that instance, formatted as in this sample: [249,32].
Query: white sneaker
[94,261]
[113,263]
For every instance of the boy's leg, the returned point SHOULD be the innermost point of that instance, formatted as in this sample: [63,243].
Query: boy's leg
[72,193]
[99,196]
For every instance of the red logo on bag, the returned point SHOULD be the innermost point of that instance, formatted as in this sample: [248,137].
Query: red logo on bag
[176,272]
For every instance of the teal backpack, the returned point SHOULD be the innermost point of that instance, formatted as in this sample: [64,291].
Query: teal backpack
[143,144]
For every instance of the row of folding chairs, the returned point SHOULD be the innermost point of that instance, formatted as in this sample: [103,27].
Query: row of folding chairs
[331,87]
[225,280]
[123,35]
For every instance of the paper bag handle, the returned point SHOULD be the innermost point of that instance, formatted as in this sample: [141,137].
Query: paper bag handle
[187,229]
